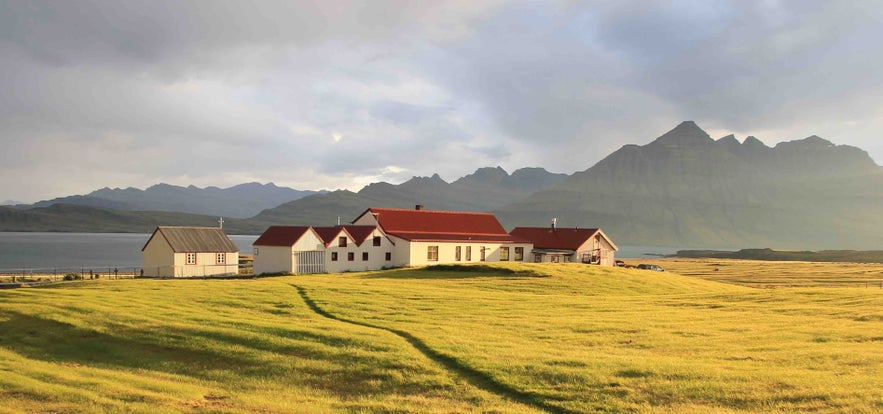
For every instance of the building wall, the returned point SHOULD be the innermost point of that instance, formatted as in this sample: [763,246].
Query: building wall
[376,254]
[273,259]
[159,259]
[607,253]
[418,252]
[280,259]
[206,265]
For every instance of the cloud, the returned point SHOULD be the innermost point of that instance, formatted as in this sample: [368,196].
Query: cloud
[320,94]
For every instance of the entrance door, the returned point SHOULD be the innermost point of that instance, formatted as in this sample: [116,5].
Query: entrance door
[309,262]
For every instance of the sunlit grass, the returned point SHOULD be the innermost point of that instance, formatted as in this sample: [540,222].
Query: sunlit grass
[227,346]
[574,338]
[592,339]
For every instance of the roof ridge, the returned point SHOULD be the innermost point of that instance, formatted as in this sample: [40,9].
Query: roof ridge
[446,232]
[432,211]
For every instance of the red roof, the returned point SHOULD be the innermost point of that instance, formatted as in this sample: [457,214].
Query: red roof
[559,238]
[357,233]
[281,236]
[432,225]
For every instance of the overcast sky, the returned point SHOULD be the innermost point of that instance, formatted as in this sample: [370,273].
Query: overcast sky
[338,94]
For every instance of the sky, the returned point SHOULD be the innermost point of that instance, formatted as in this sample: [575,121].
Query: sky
[339,94]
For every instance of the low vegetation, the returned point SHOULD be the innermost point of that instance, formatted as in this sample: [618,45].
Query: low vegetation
[858,256]
[515,338]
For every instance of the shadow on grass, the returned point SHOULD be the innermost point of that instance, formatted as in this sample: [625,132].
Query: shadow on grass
[473,376]
[454,271]
[339,365]
[53,341]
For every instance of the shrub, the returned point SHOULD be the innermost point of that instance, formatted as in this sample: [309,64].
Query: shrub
[73,276]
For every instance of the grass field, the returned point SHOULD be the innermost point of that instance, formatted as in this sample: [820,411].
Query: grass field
[515,338]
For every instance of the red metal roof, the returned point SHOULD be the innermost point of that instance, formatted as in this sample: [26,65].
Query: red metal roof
[281,236]
[357,233]
[433,225]
[559,238]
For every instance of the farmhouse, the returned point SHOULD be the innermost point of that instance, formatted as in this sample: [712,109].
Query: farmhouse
[307,249]
[189,252]
[422,237]
[552,244]
[386,237]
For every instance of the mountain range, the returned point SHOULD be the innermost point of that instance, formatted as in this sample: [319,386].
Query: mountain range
[240,201]
[683,189]
[686,189]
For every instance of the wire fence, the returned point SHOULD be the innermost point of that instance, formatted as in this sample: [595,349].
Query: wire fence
[57,274]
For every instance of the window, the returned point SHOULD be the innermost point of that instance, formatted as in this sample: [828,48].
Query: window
[341,241]
[432,253]
[519,254]
[388,256]
[221,258]
[377,240]
[191,258]
[333,256]
[255,251]
[457,253]
[504,254]
[483,253]
[364,256]
[538,258]
[555,259]
[468,253]
[350,256]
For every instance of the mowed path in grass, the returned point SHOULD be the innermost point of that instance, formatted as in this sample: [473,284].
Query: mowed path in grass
[574,338]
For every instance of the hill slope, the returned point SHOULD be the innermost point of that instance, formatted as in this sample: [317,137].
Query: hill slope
[485,189]
[686,189]
[240,201]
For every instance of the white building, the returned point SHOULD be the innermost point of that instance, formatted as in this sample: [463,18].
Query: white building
[425,237]
[189,252]
[553,244]
[385,237]
[289,249]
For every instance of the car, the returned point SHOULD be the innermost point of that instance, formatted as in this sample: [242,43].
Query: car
[653,267]
[620,263]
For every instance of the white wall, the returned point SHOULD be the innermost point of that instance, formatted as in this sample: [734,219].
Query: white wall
[376,254]
[280,259]
[417,254]
[159,259]
[273,259]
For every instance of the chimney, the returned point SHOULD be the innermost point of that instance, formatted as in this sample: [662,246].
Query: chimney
[554,222]
[418,207]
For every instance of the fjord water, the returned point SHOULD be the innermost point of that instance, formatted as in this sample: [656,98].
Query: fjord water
[47,250]
[66,250]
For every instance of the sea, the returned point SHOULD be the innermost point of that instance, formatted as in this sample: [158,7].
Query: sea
[80,250]
[27,251]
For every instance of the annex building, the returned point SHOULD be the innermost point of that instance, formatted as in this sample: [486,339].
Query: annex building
[189,252]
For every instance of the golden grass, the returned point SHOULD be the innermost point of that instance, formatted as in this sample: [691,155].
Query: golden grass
[516,338]
[773,274]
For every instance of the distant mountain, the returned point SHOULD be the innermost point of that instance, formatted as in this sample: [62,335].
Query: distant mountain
[10,203]
[483,190]
[686,189]
[240,201]
[74,218]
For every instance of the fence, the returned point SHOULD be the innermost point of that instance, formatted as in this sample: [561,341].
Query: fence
[55,274]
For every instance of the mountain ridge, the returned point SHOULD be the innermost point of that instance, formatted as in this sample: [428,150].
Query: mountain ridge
[683,189]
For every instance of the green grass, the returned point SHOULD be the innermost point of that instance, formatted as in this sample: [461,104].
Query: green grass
[521,338]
